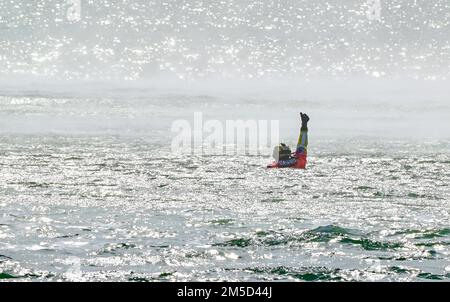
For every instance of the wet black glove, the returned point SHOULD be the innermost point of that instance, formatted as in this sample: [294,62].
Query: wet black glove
[305,119]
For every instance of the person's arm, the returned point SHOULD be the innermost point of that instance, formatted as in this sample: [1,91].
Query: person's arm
[302,143]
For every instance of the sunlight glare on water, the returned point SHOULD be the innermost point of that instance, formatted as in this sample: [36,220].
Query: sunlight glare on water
[90,189]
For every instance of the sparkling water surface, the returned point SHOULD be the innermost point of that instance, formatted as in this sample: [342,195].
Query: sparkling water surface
[90,189]
[116,204]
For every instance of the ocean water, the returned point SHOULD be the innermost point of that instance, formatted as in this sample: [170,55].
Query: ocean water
[91,191]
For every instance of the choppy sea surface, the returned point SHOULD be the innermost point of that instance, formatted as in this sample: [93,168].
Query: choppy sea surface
[90,191]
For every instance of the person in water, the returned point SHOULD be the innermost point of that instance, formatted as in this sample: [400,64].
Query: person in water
[284,158]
